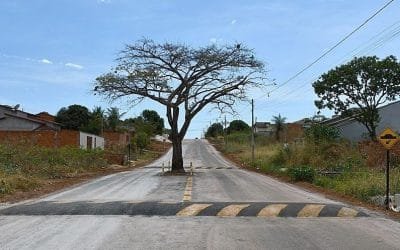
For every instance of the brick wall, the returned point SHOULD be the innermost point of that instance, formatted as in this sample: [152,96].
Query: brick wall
[46,117]
[294,131]
[115,140]
[42,138]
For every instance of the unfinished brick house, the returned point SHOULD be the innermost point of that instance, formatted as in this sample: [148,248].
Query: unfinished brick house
[17,126]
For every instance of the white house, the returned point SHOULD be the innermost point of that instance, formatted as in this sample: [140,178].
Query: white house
[90,141]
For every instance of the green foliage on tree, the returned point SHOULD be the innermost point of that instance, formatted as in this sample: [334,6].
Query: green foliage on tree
[318,133]
[74,117]
[215,130]
[149,122]
[113,118]
[279,122]
[96,121]
[364,84]
[153,118]
[142,140]
[237,126]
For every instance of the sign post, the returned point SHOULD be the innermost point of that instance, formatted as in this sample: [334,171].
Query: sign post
[388,138]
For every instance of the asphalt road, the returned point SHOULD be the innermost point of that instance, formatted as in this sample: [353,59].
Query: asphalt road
[219,207]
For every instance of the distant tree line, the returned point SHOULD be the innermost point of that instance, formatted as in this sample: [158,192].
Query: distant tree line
[216,129]
[97,120]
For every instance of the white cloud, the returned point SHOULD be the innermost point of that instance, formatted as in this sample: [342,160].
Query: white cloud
[233,21]
[46,61]
[73,65]
[104,1]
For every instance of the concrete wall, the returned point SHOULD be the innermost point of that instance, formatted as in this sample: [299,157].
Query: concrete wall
[355,131]
[15,124]
[96,141]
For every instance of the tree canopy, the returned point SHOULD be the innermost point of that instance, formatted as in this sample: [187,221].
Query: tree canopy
[215,130]
[237,126]
[73,117]
[153,118]
[359,87]
[182,78]
[113,119]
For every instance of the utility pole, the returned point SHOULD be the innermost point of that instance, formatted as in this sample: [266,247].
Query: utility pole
[225,139]
[252,131]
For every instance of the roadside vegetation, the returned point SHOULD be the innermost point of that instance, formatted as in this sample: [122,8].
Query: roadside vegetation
[320,158]
[29,168]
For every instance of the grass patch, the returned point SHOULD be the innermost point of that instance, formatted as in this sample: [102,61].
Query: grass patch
[24,168]
[317,155]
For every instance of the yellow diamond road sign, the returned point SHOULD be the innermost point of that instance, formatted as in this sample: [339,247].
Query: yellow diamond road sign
[388,138]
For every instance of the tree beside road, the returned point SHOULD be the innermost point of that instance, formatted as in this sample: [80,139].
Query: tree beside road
[183,79]
[359,88]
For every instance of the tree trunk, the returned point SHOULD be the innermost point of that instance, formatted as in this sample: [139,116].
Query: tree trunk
[176,138]
[372,134]
[177,159]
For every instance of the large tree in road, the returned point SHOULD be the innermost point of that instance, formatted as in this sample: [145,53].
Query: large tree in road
[359,87]
[183,79]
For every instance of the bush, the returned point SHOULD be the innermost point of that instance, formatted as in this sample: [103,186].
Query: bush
[304,173]
[279,158]
[321,133]
[142,140]
[5,187]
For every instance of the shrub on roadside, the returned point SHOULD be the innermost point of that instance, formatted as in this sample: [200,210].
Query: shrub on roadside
[318,133]
[303,173]
[142,140]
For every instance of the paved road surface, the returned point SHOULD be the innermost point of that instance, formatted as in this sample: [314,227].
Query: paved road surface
[219,207]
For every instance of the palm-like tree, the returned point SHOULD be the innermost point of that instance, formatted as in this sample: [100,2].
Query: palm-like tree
[279,122]
[113,118]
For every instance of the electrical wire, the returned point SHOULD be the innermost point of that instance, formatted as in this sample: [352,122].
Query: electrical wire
[333,47]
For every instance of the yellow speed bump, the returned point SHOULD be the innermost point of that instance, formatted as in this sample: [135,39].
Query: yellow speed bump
[232,210]
[193,210]
[347,212]
[272,210]
[187,195]
[311,210]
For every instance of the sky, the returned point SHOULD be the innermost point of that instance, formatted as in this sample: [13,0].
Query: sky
[52,51]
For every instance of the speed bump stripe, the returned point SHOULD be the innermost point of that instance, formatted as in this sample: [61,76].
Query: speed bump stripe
[187,195]
[310,210]
[347,212]
[232,210]
[272,210]
[193,209]
[186,208]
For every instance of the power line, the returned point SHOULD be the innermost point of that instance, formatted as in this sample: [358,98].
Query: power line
[378,40]
[332,48]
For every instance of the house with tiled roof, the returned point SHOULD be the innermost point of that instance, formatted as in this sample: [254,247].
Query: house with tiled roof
[13,119]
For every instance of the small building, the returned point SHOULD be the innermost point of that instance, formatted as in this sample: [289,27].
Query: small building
[17,126]
[355,131]
[12,119]
[264,128]
[90,141]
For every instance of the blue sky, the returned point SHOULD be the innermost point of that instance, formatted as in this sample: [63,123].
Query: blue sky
[51,51]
